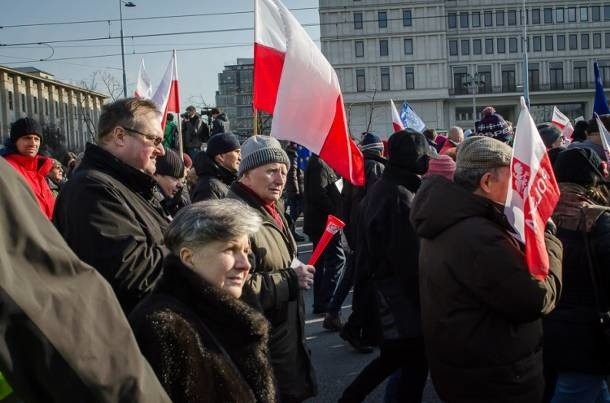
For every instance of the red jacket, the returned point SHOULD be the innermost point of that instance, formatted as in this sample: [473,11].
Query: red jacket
[35,170]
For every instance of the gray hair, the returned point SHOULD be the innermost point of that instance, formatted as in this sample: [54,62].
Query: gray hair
[211,220]
[470,178]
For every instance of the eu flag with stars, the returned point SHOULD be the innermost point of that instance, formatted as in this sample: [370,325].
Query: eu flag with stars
[303,155]
[410,119]
[600,106]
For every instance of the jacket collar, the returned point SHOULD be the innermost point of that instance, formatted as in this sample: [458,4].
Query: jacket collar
[39,164]
[402,177]
[204,165]
[99,159]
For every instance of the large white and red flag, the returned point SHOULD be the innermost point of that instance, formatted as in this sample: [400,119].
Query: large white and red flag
[533,192]
[296,84]
[167,96]
[563,123]
[143,86]
[604,136]
[396,121]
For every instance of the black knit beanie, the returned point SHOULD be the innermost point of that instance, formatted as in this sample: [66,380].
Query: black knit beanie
[25,126]
[170,164]
[221,143]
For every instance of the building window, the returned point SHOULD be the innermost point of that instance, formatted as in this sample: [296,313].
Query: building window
[584,41]
[489,46]
[499,17]
[556,75]
[408,46]
[512,17]
[410,77]
[537,43]
[465,46]
[501,45]
[383,47]
[464,20]
[453,49]
[595,13]
[535,16]
[476,47]
[571,14]
[580,74]
[607,39]
[561,42]
[597,41]
[484,72]
[357,20]
[512,45]
[533,74]
[559,17]
[360,81]
[23,107]
[584,14]
[382,19]
[508,78]
[10,100]
[56,109]
[548,43]
[359,48]
[476,19]
[452,20]
[385,78]
[407,18]
[548,15]
[459,80]
[573,41]
[46,107]
[35,104]
[487,18]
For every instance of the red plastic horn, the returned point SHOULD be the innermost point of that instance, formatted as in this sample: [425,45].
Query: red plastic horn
[333,225]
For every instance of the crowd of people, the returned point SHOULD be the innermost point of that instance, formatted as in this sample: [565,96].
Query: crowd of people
[136,272]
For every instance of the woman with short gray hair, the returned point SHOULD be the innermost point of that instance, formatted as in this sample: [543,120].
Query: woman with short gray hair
[202,341]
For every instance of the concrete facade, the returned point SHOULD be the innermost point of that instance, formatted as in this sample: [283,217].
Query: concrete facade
[423,51]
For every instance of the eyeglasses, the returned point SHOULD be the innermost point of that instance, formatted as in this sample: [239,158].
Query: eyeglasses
[154,139]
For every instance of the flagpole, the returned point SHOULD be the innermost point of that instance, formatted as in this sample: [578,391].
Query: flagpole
[255,127]
[526,90]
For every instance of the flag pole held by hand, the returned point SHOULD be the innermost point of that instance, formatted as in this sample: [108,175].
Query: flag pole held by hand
[333,225]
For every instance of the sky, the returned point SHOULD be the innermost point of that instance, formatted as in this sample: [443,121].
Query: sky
[71,56]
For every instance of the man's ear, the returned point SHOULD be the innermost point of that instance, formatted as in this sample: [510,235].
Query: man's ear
[485,181]
[186,256]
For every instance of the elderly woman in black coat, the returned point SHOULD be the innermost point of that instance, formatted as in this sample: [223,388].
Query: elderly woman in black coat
[204,344]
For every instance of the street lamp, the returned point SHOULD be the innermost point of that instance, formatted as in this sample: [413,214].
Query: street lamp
[474,81]
[127,4]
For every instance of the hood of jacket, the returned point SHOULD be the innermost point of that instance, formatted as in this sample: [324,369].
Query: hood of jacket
[439,204]
[206,166]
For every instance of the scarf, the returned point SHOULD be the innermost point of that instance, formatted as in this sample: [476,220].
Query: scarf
[573,204]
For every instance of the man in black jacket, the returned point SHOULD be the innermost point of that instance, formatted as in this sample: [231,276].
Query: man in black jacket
[195,132]
[217,167]
[107,212]
[322,198]
[481,308]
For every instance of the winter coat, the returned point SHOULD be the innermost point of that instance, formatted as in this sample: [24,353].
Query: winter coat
[351,195]
[64,336]
[481,308]
[387,249]
[195,132]
[203,344]
[109,216]
[321,197]
[573,340]
[294,178]
[220,124]
[34,170]
[272,287]
[214,180]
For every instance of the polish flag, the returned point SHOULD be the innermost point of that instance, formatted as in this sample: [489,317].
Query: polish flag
[143,86]
[295,83]
[604,135]
[563,123]
[533,192]
[396,122]
[167,97]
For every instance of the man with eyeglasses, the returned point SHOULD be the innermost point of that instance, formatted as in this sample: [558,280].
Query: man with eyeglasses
[107,212]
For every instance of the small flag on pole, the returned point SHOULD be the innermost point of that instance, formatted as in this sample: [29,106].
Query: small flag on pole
[143,86]
[396,122]
[563,123]
[410,119]
[604,135]
[600,105]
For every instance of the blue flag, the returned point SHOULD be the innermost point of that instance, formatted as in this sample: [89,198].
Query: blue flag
[410,119]
[600,106]
[303,155]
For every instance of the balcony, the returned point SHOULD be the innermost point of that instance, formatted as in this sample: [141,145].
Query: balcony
[505,89]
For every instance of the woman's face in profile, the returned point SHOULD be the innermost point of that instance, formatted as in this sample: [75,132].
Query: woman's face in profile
[221,263]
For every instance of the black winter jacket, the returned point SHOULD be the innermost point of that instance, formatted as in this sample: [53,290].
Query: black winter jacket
[184,326]
[481,308]
[109,216]
[321,197]
[294,177]
[195,132]
[214,180]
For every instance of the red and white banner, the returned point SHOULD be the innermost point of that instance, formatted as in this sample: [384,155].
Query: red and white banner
[563,123]
[604,136]
[167,96]
[396,122]
[533,192]
[294,82]
[143,86]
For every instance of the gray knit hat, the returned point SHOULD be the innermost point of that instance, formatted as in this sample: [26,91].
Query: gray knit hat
[261,150]
[480,152]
